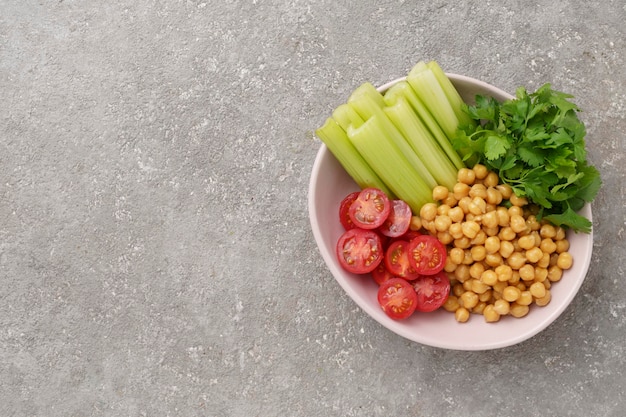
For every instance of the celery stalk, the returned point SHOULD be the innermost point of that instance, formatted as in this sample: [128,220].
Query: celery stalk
[373,142]
[451,92]
[421,140]
[425,84]
[403,89]
[345,116]
[367,107]
[342,148]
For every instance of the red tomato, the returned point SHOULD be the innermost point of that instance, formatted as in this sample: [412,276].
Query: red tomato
[427,254]
[397,260]
[398,221]
[432,291]
[359,251]
[410,235]
[397,298]
[381,273]
[344,207]
[370,209]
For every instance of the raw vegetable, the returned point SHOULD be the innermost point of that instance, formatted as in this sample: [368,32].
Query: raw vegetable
[536,144]
[397,298]
[370,209]
[359,251]
[432,291]
[426,254]
[396,142]
[397,260]
[398,221]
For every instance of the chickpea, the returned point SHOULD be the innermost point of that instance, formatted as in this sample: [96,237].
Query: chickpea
[466,176]
[489,277]
[490,219]
[480,171]
[527,272]
[560,234]
[511,293]
[504,273]
[464,204]
[506,249]
[463,242]
[428,212]
[547,245]
[485,297]
[468,299]
[516,211]
[456,230]
[416,223]
[545,300]
[518,224]
[503,216]
[452,303]
[445,237]
[450,266]
[562,246]
[493,196]
[470,229]
[516,260]
[460,190]
[532,223]
[534,255]
[490,314]
[479,287]
[538,290]
[478,191]
[440,193]
[555,273]
[518,201]
[505,190]
[518,310]
[457,290]
[493,259]
[491,180]
[541,274]
[443,209]
[442,223]
[564,260]
[461,273]
[450,200]
[456,255]
[477,206]
[526,242]
[480,238]
[502,307]
[476,270]
[525,298]
[492,244]
[456,214]
[462,315]
[544,262]
[478,253]
[547,231]
[480,307]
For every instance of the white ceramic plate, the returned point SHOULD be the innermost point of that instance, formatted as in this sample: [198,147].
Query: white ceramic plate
[329,184]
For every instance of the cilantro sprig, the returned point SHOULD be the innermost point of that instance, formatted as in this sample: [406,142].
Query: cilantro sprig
[536,144]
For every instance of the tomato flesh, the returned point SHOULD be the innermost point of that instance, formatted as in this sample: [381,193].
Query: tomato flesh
[359,251]
[370,209]
[427,254]
[381,273]
[397,298]
[344,208]
[397,260]
[432,291]
[398,220]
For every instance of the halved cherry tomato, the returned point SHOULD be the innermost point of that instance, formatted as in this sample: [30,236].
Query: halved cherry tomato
[432,291]
[410,235]
[397,260]
[370,209]
[427,254]
[381,273]
[344,207]
[398,221]
[359,251]
[397,298]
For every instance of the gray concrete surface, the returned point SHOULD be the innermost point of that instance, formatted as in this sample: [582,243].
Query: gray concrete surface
[156,257]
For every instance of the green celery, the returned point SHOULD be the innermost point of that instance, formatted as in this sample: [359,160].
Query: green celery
[345,116]
[429,91]
[421,140]
[374,143]
[451,93]
[403,89]
[349,157]
[367,107]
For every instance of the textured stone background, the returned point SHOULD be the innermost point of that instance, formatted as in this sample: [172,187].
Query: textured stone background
[156,257]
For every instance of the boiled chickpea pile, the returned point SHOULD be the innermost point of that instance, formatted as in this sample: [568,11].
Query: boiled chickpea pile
[500,260]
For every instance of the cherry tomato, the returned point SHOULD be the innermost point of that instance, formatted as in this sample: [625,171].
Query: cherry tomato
[410,235]
[344,207]
[381,273]
[398,220]
[397,260]
[397,298]
[427,254]
[432,291]
[370,209]
[359,251]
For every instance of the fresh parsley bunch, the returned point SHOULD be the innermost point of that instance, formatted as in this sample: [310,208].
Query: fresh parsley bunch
[536,144]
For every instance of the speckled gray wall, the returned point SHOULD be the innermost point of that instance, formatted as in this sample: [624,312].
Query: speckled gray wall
[156,257]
